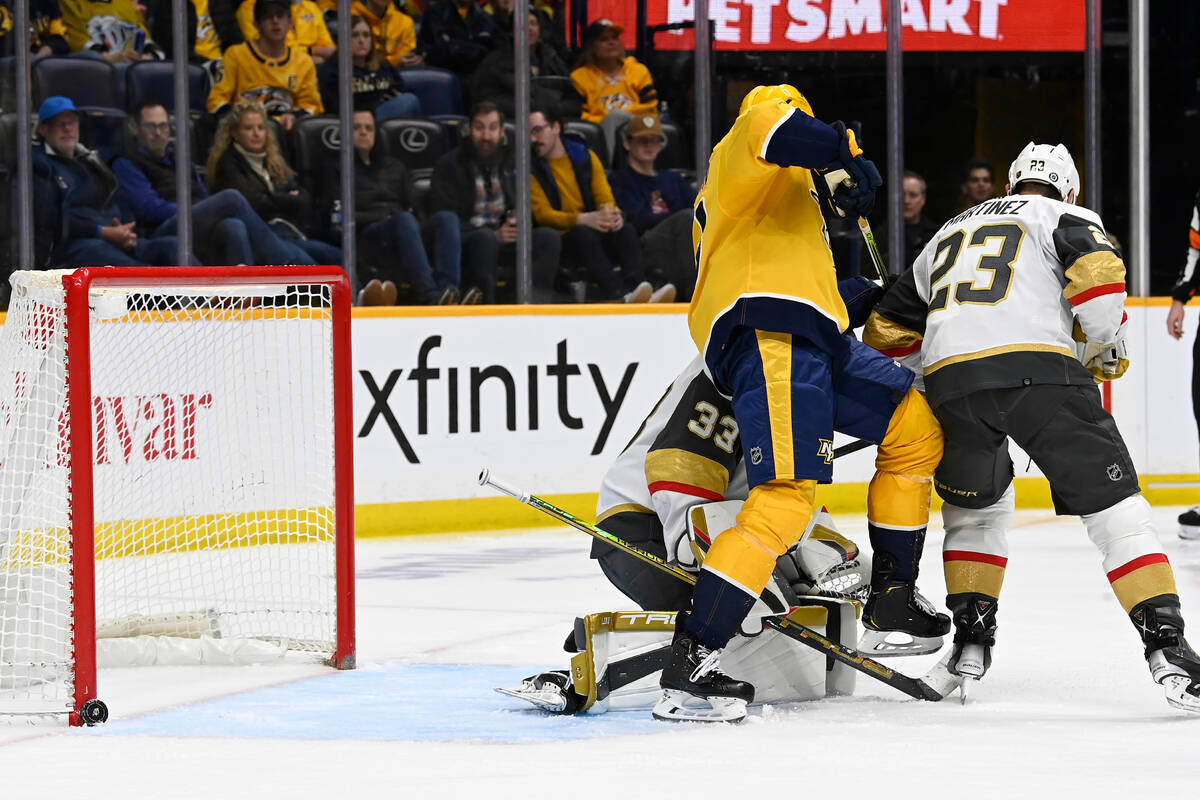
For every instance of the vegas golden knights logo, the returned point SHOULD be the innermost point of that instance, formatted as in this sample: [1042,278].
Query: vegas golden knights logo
[826,450]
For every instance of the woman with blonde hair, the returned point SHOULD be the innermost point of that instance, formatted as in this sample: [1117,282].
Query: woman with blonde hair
[376,85]
[245,156]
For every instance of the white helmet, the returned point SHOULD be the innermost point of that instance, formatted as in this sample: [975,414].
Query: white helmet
[1048,164]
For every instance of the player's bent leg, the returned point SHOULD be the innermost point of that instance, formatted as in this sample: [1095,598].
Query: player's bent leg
[1144,583]
[897,516]
[974,556]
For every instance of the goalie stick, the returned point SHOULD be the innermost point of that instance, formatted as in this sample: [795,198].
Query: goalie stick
[913,687]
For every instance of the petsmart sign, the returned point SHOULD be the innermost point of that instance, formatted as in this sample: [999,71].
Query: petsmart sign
[934,25]
[544,398]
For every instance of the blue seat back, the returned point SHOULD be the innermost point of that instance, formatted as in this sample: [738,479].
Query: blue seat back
[155,80]
[87,81]
[438,89]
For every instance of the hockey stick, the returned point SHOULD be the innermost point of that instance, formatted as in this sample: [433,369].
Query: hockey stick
[913,687]
[885,278]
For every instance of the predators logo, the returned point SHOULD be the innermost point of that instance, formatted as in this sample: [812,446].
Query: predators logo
[825,450]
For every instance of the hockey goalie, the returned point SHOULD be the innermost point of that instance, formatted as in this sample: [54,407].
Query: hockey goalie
[674,488]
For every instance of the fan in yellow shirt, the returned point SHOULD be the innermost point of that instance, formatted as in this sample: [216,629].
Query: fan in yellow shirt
[394,31]
[769,319]
[281,77]
[615,87]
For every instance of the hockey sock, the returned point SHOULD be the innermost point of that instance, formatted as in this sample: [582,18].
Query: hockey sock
[720,606]
[975,550]
[1134,561]
[897,554]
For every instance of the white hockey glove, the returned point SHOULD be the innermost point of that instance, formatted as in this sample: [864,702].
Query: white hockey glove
[1107,361]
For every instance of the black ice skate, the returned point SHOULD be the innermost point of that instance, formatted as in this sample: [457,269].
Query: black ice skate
[898,620]
[1189,523]
[694,688]
[1173,664]
[550,691]
[974,636]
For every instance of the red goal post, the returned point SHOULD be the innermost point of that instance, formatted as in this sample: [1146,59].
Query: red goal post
[175,461]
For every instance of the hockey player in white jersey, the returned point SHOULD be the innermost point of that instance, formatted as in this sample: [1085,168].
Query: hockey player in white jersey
[993,311]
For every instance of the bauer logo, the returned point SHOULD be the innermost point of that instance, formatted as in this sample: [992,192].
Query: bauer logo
[438,395]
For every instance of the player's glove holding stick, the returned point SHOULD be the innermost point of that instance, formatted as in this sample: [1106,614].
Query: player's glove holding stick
[848,185]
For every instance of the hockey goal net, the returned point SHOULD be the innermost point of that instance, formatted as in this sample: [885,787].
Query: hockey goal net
[175,466]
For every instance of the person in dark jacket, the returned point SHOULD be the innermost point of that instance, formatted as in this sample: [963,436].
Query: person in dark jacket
[475,181]
[376,84]
[226,229]
[457,35]
[496,80]
[658,203]
[394,243]
[246,157]
[47,34]
[78,218]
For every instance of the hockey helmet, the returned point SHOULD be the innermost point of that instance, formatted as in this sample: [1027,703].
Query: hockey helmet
[1048,164]
[782,91]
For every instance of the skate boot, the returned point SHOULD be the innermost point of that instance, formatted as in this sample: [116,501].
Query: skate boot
[1189,523]
[1173,664]
[694,688]
[550,691]
[898,620]
[974,636]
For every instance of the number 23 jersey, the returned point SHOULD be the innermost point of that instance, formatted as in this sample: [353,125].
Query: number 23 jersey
[992,300]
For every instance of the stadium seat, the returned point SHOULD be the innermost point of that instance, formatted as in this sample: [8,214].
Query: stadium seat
[84,80]
[8,82]
[591,133]
[102,129]
[8,142]
[155,80]
[559,83]
[417,141]
[318,141]
[455,126]
[438,89]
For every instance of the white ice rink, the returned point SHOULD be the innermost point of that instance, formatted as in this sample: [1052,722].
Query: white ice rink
[1068,709]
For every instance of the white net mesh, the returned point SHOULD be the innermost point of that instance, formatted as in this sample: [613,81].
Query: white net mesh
[213,458]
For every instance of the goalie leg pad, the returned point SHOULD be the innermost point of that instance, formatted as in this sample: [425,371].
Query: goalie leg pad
[1136,566]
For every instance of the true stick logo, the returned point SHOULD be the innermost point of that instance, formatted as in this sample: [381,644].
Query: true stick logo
[481,380]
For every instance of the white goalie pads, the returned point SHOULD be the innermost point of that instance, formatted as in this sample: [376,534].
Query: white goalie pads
[624,651]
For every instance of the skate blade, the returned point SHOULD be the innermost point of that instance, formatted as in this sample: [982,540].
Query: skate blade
[1189,532]
[1175,689]
[965,687]
[545,699]
[941,679]
[892,644]
[674,707]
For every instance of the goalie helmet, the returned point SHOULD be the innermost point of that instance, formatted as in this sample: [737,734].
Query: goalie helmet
[1048,164]
[782,91]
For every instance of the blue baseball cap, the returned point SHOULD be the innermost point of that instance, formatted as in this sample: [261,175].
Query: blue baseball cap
[53,106]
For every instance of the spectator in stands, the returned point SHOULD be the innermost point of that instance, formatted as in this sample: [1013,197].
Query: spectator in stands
[918,228]
[615,86]
[395,33]
[549,33]
[457,35]
[496,78]
[271,72]
[977,185]
[309,30]
[113,29]
[658,203]
[47,34]
[211,25]
[226,229]
[394,248]
[246,157]
[77,216]
[376,84]
[570,193]
[475,181]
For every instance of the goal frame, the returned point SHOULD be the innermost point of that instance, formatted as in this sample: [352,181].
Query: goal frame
[79,403]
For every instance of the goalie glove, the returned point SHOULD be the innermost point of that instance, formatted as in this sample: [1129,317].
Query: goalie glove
[1107,361]
[850,179]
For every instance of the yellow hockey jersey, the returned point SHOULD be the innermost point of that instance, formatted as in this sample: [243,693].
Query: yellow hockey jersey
[759,237]
[308,24]
[208,43]
[632,90]
[287,84]
[394,32]
[105,25]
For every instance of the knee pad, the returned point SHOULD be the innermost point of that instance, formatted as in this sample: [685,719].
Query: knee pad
[975,550]
[1134,562]
[898,496]
[773,518]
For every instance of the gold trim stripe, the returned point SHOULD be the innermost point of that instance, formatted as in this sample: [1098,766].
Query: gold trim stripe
[775,350]
[973,576]
[1142,584]
[621,508]
[1026,347]
[675,465]
[887,336]
[1100,268]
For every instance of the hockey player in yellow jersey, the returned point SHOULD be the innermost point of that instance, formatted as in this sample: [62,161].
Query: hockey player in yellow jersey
[991,313]
[768,319]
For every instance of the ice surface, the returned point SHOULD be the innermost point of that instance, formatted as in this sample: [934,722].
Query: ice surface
[1067,708]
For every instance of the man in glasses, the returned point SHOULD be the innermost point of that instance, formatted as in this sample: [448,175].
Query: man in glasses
[226,229]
